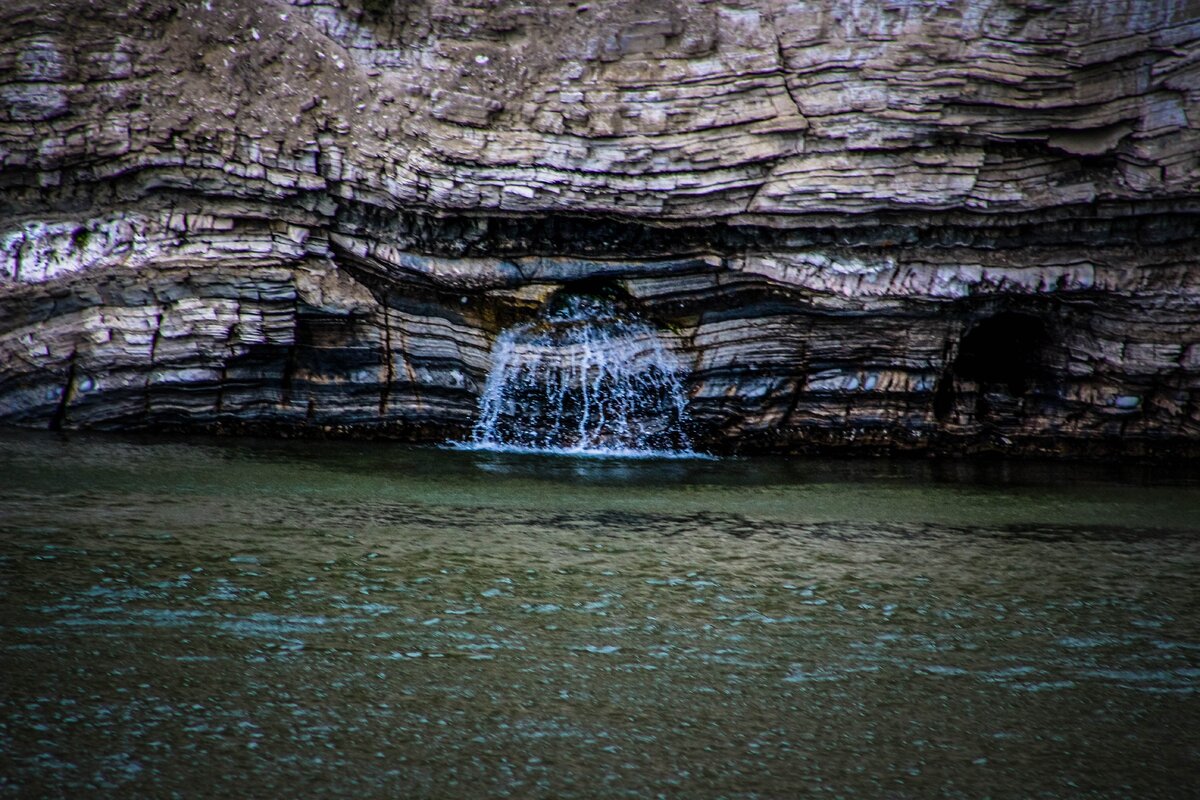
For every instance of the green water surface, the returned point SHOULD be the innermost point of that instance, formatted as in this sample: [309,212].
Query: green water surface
[234,618]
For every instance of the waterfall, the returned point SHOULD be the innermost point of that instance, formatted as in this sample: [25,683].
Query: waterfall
[590,377]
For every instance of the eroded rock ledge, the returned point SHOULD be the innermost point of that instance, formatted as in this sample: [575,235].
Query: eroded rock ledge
[953,227]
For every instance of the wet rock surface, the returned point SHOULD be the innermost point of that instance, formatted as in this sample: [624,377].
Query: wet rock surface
[969,227]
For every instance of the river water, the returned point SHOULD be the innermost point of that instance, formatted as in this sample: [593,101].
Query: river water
[234,618]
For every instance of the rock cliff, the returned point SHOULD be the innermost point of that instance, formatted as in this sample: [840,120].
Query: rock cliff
[944,226]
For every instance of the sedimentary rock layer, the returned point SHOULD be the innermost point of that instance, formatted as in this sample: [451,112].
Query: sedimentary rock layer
[950,226]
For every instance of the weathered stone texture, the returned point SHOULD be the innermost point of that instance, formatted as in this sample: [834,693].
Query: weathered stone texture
[318,214]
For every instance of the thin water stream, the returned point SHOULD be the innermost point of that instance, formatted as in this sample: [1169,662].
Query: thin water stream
[226,618]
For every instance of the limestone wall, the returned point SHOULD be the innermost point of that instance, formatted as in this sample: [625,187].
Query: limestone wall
[316,216]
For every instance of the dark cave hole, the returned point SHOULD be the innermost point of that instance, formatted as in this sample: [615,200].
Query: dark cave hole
[1005,351]
[606,291]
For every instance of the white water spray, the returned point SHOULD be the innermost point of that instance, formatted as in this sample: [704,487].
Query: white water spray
[589,377]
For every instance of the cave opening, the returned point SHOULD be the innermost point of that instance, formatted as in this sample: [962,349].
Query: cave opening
[1004,352]
[604,292]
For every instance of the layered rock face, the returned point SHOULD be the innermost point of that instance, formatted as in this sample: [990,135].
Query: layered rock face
[949,226]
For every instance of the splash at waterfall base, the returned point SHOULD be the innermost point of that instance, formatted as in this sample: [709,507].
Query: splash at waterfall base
[587,377]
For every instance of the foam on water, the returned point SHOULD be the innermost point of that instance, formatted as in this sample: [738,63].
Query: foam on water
[589,378]
[581,452]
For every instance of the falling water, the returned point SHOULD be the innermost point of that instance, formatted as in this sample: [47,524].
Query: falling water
[587,377]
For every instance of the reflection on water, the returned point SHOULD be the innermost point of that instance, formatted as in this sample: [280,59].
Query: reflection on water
[233,618]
